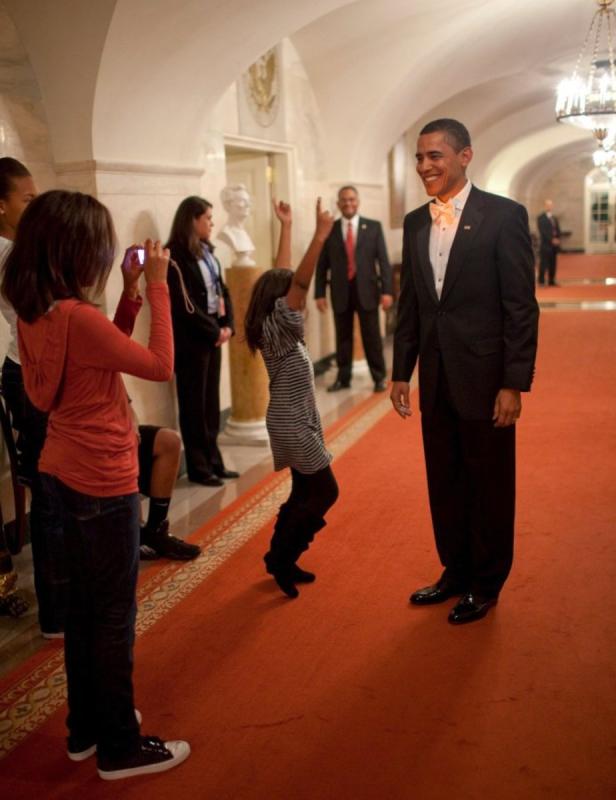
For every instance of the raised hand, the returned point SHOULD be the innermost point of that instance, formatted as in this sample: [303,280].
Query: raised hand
[131,271]
[325,222]
[156,262]
[282,212]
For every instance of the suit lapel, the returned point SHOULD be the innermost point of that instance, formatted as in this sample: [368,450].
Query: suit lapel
[338,241]
[471,219]
[423,249]
[361,233]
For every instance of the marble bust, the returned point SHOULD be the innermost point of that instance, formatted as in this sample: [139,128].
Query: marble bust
[236,202]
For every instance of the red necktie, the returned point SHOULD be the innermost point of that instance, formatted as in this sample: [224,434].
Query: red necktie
[350,251]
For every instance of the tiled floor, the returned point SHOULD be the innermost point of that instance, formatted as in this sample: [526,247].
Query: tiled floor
[192,506]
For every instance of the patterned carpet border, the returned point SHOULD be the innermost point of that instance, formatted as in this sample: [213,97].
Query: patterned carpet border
[28,703]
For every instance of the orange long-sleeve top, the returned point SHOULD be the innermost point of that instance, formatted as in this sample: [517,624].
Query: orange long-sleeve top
[71,359]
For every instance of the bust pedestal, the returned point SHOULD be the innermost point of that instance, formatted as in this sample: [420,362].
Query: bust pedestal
[249,380]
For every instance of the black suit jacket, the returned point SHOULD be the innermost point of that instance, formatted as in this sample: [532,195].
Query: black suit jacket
[484,327]
[546,231]
[193,332]
[370,250]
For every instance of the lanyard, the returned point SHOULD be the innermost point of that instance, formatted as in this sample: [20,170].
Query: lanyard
[211,266]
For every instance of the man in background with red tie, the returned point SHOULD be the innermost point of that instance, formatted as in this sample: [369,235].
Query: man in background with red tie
[349,261]
[467,312]
[549,231]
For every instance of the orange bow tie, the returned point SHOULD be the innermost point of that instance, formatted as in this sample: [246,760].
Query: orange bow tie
[443,212]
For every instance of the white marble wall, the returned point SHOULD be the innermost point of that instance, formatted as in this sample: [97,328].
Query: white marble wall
[143,197]
[23,128]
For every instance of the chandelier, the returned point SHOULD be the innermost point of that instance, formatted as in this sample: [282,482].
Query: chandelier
[588,98]
[604,156]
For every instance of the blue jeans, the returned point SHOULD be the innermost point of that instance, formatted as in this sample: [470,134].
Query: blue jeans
[102,546]
[46,524]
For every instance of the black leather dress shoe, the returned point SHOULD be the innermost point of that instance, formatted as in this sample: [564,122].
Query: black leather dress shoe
[207,480]
[380,386]
[338,385]
[470,608]
[227,473]
[436,593]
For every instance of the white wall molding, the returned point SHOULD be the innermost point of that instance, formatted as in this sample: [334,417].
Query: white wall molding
[123,167]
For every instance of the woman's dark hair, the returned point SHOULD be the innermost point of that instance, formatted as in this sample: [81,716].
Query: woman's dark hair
[64,247]
[269,287]
[10,168]
[182,231]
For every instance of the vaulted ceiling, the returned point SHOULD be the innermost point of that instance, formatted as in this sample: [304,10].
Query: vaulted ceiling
[112,69]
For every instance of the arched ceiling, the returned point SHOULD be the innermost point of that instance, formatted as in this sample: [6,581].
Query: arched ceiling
[379,75]
[531,177]
[135,80]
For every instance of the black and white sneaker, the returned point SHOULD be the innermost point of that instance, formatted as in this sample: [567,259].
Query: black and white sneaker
[79,749]
[153,755]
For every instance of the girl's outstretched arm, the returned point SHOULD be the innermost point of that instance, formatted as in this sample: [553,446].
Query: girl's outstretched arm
[283,212]
[296,296]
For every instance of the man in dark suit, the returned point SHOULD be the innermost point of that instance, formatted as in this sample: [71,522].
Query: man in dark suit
[549,232]
[467,311]
[350,256]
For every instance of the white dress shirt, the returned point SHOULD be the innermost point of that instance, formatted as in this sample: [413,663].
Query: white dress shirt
[442,236]
[6,309]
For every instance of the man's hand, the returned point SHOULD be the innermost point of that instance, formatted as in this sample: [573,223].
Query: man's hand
[507,408]
[322,304]
[387,301]
[400,392]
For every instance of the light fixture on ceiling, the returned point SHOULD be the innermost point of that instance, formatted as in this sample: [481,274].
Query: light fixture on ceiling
[604,156]
[588,98]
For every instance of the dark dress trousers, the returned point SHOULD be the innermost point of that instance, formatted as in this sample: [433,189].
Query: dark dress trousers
[548,229]
[480,337]
[197,363]
[362,294]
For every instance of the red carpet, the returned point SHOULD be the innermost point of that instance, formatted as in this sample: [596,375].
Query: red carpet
[578,266]
[348,692]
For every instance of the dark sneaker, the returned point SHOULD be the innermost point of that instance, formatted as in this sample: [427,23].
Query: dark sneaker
[164,545]
[153,755]
[80,749]
[300,575]
[147,554]
[286,583]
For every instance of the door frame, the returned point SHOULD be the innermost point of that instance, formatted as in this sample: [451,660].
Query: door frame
[591,184]
[282,160]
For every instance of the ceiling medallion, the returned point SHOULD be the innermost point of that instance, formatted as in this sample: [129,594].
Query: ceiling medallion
[588,98]
[262,88]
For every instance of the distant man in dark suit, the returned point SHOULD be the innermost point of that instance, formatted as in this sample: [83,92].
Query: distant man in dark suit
[549,232]
[467,311]
[349,261]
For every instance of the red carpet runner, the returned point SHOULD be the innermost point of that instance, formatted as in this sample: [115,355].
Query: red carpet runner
[350,693]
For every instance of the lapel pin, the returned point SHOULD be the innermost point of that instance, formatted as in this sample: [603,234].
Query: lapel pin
[467,227]
[364,226]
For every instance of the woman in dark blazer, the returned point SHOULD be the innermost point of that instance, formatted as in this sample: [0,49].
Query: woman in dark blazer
[202,323]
